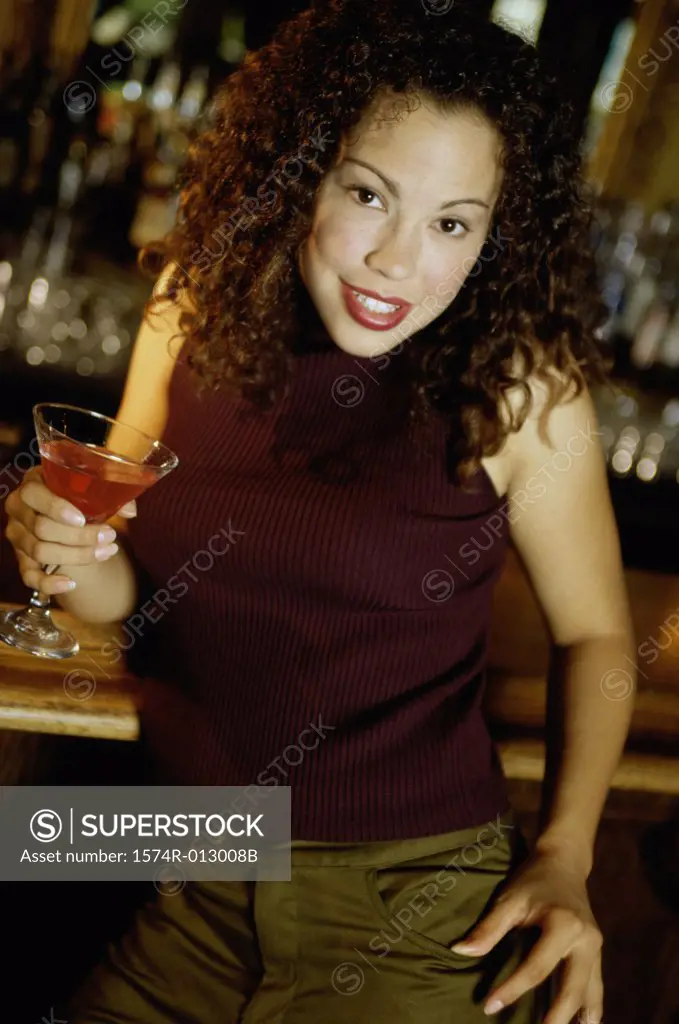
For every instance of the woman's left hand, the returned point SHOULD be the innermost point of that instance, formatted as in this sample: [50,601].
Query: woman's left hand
[547,892]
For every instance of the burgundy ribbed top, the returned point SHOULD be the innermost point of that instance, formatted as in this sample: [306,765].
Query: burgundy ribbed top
[317,606]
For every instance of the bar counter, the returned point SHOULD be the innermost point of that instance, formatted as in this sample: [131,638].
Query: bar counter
[88,695]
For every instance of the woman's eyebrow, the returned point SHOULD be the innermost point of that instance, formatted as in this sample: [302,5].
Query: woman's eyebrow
[393,187]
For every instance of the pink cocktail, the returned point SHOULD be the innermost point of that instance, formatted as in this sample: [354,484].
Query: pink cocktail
[92,478]
[97,464]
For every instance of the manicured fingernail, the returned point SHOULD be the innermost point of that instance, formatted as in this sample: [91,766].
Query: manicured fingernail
[63,585]
[101,553]
[493,1007]
[106,536]
[73,517]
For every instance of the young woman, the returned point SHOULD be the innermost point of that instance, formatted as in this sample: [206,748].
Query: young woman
[370,347]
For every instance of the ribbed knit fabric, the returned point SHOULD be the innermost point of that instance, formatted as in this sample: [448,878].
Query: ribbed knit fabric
[316,607]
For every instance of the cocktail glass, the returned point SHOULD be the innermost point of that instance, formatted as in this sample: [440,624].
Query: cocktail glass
[97,464]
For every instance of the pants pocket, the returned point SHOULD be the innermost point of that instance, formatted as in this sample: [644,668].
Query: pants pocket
[436,901]
[399,926]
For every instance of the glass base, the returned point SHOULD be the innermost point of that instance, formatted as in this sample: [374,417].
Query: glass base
[35,633]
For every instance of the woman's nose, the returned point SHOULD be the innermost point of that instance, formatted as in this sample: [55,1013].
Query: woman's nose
[395,256]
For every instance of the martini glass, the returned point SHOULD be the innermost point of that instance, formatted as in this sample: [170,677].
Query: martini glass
[97,464]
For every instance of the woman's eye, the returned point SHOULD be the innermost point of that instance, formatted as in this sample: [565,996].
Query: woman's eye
[461,227]
[366,196]
[361,191]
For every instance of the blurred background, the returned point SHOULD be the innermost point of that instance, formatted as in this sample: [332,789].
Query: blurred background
[98,103]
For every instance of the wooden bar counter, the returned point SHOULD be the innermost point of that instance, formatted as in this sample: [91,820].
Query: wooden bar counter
[89,696]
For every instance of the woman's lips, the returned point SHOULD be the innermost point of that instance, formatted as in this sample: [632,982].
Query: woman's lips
[367,317]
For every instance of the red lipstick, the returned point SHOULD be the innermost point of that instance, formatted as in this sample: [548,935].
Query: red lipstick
[370,318]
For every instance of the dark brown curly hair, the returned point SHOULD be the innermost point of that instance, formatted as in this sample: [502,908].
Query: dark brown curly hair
[247,196]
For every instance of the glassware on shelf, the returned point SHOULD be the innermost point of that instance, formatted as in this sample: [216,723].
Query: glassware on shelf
[618,249]
[193,96]
[97,464]
[649,338]
[70,324]
[644,273]
[639,435]
[669,348]
[638,264]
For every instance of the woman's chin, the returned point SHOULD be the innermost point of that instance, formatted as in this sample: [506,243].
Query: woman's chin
[369,345]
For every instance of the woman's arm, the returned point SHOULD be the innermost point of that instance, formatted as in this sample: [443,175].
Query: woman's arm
[563,526]
[562,523]
[105,592]
[109,592]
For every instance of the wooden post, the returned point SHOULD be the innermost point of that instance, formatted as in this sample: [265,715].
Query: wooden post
[631,104]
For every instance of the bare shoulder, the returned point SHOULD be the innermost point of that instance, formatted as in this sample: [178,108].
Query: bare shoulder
[168,301]
[160,339]
[561,516]
[551,405]
[531,399]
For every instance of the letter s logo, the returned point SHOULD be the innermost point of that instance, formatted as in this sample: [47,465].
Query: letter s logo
[46,826]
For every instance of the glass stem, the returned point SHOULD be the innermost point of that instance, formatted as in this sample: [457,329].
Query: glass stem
[39,600]
[35,619]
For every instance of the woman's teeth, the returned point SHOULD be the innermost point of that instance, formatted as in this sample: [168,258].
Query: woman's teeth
[374,304]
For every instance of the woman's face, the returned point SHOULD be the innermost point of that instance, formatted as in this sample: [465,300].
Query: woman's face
[402,215]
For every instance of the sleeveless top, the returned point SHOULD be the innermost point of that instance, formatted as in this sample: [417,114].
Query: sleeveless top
[315,599]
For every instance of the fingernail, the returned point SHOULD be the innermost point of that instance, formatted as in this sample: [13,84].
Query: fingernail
[63,585]
[101,553]
[73,517]
[106,535]
[463,947]
[493,1007]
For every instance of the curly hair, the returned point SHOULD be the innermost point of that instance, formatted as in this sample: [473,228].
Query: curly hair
[252,174]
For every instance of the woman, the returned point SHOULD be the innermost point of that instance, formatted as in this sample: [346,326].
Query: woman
[380,274]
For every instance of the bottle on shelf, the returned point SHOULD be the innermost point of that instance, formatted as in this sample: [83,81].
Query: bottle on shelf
[193,97]
[616,274]
[14,140]
[71,178]
[40,138]
[124,142]
[175,115]
[669,348]
[654,325]
[644,271]
[162,94]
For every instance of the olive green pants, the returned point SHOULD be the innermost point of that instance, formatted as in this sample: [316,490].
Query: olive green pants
[360,934]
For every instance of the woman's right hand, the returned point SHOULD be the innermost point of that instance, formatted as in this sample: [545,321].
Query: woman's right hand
[46,530]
